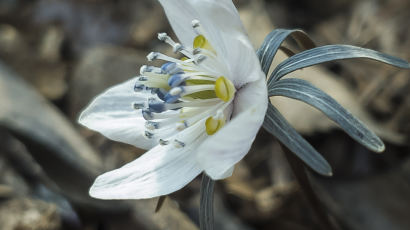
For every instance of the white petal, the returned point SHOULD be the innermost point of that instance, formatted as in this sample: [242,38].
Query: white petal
[160,171]
[224,30]
[180,14]
[111,113]
[221,151]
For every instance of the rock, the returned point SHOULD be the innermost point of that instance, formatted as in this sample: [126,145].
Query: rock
[146,26]
[28,214]
[10,38]
[100,68]
[11,183]
[379,202]
[41,66]
[51,43]
[48,136]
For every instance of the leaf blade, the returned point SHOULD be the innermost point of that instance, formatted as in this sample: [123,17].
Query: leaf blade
[277,125]
[206,212]
[328,53]
[304,91]
[274,40]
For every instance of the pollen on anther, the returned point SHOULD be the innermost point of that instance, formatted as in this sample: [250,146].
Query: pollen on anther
[152,56]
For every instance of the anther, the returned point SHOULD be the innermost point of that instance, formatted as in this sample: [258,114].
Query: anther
[146,114]
[138,87]
[138,105]
[175,80]
[179,144]
[162,36]
[195,23]
[196,51]
[182,125]
[170,68]
[151,125]
[152,56]
[176,91]
[156,106]
[142,78]
[148,134]
[144,69]
[163,142]
[160,93]
[177,47]
[199,58]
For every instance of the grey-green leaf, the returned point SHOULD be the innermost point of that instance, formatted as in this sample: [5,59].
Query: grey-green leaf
[273,41]
[304,91]
[330,53]
[206,212]
[277,125]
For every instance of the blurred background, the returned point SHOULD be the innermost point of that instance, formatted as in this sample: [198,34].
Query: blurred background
[56,55]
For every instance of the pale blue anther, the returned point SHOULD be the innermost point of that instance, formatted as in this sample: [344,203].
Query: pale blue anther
[156,106]
[176,80]
[161,93]
[146,114]
[139,87]
[171,98]
[170,68]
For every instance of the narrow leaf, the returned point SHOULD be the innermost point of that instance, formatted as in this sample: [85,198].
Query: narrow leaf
[273,41]
[331,53]
[206,212]
[276,124]
[304,91]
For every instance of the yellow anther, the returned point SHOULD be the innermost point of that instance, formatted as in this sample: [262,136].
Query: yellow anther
[201,42]
[213,125]
[224,89]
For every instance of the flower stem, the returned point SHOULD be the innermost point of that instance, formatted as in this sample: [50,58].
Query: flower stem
[206,211]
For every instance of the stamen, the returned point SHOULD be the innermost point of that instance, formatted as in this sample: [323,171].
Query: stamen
[224,89]
[200,42]
[156,106]
[170,68]
[168,98]
[182,125]
[148,135]
[176,91]
[152,56]
[212,125]
[176,80]
[151,125]
[163,142]
[138,106]
[179,144]
[194,103]
[195,23]
[138,87]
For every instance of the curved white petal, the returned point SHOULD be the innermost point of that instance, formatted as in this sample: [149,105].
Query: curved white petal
[221,151]
[160,171]
[224,30]
[111,113]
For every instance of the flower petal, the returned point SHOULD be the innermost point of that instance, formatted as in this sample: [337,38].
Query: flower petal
[111,113]
[221,151]
[224,30]
[160,171]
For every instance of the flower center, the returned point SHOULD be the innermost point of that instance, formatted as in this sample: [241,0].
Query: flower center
[190,93]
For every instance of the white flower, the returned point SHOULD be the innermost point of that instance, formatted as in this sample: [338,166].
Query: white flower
[198,113]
